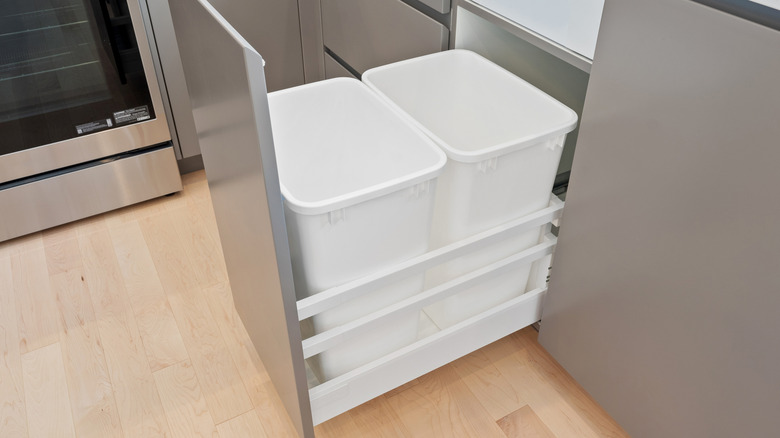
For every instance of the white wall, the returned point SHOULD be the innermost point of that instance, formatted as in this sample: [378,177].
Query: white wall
[771,3]
[571,23]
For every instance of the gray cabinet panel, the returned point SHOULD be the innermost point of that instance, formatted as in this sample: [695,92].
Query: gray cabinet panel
[311,40]
[272,27]
[369,33]
[442,6]
[181,110]
[663,300]
[335,70]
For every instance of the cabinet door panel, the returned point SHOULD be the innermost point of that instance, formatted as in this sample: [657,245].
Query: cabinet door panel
[369,33]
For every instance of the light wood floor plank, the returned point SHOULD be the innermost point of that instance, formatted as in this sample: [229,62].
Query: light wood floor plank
[189,180]
[60,234]
[552,374]
[487,384]
[138,402]
[244,426]
[160,334]
[91,395]
[134,213]
[222,386]
[169,254]
[340,426]
[175,201]
[21,244]
[37,316]
[196,187]
[402,388]
[151,208]
[248,363]
[13,419]
[182,399]
[524,423]
[204,248]
[377,418]
[62,254]
[562,419]
[274,417]
[261,392]
[46,394]
[428,409]
[207,220]
[120,217]
[475,415]
[92,225]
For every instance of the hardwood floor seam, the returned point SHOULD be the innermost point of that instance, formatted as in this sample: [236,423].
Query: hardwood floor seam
[171,365]
[234,417]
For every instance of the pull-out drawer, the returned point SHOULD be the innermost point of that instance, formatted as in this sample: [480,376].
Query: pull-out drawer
[224,71]
[434,346]
[369,33]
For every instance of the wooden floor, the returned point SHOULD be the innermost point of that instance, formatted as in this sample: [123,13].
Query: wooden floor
[123,325]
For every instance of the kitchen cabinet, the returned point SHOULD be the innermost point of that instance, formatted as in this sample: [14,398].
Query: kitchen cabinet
[334,69]
[364,34]
[662,297]
[231,110]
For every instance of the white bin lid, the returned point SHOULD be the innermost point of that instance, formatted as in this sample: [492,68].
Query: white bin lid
[338,144]
[471,107]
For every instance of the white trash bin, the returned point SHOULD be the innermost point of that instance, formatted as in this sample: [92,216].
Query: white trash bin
[503,138]
[358,183]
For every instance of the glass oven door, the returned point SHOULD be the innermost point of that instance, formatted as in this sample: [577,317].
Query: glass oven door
[77,83]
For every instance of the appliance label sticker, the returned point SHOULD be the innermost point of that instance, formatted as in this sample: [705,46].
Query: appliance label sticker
[137,114]
[86,128]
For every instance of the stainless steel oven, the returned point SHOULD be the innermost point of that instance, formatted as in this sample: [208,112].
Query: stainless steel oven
[82,124]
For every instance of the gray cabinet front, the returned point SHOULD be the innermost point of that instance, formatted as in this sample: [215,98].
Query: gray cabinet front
[335,70]
[272,27]
[369,33]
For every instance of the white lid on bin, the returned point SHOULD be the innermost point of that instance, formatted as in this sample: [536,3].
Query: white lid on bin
[338,144]
[471,107]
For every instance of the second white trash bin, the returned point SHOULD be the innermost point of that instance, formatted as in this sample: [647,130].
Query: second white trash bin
[358,183]
[503,138]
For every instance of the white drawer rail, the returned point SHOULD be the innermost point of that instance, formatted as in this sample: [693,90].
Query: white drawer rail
[340,394]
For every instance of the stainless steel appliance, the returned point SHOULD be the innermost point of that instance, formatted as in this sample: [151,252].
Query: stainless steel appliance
[82,125]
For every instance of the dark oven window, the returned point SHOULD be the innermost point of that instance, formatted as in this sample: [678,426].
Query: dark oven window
[68,68]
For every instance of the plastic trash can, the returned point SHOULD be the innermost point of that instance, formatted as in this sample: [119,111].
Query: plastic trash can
[358,183]
[503,138]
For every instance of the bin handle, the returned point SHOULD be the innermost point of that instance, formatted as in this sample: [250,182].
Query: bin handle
[488,165]
[337,216]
